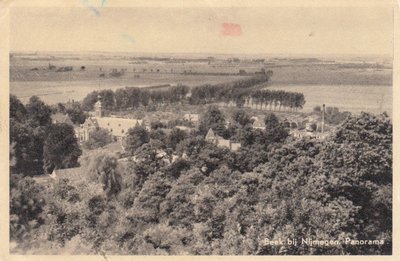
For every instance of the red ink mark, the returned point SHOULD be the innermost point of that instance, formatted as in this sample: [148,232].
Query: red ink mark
[229,29]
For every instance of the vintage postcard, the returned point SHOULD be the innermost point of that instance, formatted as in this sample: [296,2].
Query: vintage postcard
[199,128]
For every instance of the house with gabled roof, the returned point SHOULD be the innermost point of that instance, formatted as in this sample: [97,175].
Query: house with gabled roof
[61,118]
[221,142]
[117,127]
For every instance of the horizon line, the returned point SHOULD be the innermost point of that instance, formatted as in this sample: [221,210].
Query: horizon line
[208,53]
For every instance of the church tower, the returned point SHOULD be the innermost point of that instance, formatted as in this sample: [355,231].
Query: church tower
[98,108]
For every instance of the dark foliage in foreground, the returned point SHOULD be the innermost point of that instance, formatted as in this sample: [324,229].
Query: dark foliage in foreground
[205,202]
[39,146]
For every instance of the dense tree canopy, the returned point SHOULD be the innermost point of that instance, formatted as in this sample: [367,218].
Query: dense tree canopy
[136,137]
[28,145]
[75,112]
[39,113]
[28,127]
[241,117]
[98,138]
[103,169]
[26,206]
[17,109]
[89,101]
[200,199]
[213,119]
[275,131]
[61,149]
[175,137]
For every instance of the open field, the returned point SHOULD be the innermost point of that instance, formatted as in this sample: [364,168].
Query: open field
[142,70]
[354,85]
[330,74]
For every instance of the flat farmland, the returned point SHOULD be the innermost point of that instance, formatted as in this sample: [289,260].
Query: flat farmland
[285,72]
[330,74]
[38,75]
[33,77]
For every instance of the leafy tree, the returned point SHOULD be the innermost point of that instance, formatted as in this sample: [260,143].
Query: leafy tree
[144,97]
[63,213]
[121,99]
[107,99]
[359,165]
[98,138]
[26,205]
[177,167]
[103,169]
[153,151]
[158,134]
[135,138]
[249,157]
[214,119]
[147,204]
[76,113]
[89,101]
[275,131]
[134,95]
[241,117]
[242,130]
[164,239]
[334,116]
[178,93]
[175,136]
[204,155]
[178,206]
[149,158]
[61,149]
[28,148]
[17,109]
[39,113]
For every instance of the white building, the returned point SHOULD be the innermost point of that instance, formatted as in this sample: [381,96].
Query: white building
[192,117]
[258,123]
[118,127]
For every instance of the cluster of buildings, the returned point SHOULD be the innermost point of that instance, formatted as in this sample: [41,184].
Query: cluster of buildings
[118,127]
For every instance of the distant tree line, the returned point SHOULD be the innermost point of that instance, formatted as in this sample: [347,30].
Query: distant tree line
[133,97]
[276,100]
[227,92]
[239,92]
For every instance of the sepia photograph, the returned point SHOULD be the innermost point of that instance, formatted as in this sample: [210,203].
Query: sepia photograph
[201,129]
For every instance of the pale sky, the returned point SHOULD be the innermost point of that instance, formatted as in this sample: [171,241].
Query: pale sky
[270,30]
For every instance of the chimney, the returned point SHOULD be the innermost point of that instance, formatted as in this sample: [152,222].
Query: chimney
[323,119]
